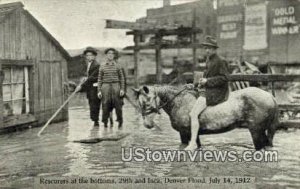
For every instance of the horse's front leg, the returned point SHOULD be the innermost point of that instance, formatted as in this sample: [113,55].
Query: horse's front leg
[185,137]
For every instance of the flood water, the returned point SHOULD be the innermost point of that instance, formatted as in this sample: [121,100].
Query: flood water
[24,156]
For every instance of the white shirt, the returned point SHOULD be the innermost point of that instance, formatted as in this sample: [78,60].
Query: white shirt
[88,68]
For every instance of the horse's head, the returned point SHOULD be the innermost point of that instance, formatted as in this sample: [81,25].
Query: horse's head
[149,104]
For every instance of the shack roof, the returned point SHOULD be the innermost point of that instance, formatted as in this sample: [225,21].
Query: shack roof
[7,9]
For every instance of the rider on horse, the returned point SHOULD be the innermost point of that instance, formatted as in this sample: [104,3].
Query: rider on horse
[215,82]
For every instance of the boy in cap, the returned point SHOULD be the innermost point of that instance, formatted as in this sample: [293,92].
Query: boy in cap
[215,82]
[90,85]
[111,87]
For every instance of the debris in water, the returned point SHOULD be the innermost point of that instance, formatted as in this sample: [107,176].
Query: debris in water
[100,139]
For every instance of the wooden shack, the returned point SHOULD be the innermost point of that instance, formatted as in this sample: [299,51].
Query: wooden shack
[33,69]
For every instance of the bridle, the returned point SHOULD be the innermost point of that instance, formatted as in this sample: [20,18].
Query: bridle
[152,109]
[157,108]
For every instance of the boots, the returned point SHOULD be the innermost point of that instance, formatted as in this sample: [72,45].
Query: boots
[120,124]
[96,124]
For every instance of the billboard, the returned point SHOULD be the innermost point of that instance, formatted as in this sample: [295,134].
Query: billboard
[230,27]
[284,37]
[284,20]
[255,37]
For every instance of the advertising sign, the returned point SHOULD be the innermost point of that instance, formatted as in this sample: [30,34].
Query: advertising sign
[255,27]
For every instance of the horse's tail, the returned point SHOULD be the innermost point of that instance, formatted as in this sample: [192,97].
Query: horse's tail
[273,123]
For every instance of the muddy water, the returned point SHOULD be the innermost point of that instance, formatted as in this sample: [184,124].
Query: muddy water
[24,156]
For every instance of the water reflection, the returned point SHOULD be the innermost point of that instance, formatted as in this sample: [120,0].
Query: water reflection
[105,158]
[78,154]
[24,156]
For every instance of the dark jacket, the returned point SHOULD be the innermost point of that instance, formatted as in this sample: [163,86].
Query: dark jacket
[217,89]
[92,78]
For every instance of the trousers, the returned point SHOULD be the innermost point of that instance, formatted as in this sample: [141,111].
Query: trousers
[94,104]
[111,100]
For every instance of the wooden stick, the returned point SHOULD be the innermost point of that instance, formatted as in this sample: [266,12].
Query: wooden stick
[132,103]
[59,109]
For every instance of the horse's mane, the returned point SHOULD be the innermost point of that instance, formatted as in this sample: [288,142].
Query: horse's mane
[167,89]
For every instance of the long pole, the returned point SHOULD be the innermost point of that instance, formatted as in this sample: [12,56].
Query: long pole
[59,109]
[194,38]
[132,103]
[158,59]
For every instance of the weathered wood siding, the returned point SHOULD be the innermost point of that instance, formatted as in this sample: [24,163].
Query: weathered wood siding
[1,97]
[21,38]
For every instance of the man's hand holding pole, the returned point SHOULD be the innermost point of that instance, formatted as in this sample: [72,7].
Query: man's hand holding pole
[79,86]
[202,81]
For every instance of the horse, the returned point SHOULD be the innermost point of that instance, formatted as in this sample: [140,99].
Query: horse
[251,107]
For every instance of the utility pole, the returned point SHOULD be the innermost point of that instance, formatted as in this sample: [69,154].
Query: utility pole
[136,60]
[194,35]
[158,59]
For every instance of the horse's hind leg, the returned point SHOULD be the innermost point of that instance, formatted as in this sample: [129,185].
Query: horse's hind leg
[270,134]
[185,137]
[198,142]
[260,139]
[272,127]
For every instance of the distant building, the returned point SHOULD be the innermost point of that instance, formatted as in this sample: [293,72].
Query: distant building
[183,15]
[33,69]
[198,14]
[259,31]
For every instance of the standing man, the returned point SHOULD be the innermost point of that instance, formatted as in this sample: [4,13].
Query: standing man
[90,85]
[215,82]
[111,87]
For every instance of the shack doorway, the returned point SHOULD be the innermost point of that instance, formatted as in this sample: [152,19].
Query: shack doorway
[50,87]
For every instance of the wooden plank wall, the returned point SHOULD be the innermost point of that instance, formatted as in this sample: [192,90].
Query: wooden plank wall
[65,87]
[1,98]
[21,39]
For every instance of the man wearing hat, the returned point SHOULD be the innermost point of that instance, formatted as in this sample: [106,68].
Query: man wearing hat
[111,86]
[90,85]
[215,82]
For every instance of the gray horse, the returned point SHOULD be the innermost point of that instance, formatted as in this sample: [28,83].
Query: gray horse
[251,107]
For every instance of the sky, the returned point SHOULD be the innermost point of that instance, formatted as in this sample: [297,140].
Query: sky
[77,24]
